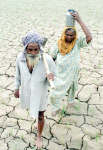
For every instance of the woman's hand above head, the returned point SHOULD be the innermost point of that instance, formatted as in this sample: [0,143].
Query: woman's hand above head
[76,16]
[83,26]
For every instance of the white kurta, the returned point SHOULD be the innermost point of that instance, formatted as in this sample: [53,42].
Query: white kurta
[34,86]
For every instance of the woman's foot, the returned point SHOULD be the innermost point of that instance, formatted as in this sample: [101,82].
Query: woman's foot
[54,113]
[70,104]
[39,143]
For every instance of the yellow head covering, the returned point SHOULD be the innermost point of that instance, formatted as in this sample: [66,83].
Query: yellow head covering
[63,46]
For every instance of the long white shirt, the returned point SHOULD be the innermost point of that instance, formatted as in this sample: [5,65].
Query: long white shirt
[34,86]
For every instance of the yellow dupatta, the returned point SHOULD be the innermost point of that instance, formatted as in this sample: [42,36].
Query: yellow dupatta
[63,46]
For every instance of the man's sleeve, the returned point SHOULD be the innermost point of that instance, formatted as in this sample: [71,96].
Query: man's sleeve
[53,52]
[52,65]
[17,77]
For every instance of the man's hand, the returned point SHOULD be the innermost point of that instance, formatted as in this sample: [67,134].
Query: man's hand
[16,93]
[50,76]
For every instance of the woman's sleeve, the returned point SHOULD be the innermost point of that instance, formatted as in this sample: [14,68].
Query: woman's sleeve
[17,77]
[82,42]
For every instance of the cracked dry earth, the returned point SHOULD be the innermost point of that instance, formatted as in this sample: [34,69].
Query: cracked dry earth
[81,126]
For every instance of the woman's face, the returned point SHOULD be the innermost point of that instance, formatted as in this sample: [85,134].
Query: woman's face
[69,36]
[33,48]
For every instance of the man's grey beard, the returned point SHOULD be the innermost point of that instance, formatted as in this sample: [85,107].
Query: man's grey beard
[32,60]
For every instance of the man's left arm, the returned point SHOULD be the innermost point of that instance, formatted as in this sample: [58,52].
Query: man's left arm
[52,68]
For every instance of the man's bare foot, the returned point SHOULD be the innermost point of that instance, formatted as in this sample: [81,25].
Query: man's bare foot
[39,143]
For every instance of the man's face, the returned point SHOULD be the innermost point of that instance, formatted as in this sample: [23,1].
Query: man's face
[33,48]
[69,36]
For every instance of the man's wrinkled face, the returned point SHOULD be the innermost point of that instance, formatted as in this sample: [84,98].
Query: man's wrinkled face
[33,48]
[69,36]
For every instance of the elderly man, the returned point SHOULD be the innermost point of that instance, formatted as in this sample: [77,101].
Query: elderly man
[31,76]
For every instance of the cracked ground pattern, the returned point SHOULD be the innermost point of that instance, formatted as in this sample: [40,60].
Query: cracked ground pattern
[80,127]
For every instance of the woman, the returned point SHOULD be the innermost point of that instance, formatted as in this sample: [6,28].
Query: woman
[67,56]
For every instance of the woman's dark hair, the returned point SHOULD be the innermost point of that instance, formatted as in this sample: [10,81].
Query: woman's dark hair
[70,29]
